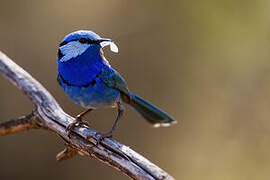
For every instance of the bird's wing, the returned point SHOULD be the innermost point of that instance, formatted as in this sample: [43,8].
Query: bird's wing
[115,80]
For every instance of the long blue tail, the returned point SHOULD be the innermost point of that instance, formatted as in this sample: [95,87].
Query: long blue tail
[151,113]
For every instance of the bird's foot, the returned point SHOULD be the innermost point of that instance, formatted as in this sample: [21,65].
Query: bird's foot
[101,136]
[78,121]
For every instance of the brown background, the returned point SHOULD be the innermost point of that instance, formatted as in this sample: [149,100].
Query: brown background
[204,62]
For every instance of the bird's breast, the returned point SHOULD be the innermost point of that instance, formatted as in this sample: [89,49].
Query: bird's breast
[96,95]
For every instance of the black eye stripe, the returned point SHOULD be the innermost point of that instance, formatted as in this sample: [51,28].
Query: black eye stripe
[82,40]
[63,43]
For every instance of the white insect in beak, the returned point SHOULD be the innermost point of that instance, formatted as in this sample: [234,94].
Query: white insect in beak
[112,45]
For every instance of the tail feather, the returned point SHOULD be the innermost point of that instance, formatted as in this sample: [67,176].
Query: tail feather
[151,113]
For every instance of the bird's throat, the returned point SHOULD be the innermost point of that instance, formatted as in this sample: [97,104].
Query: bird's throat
[82,69]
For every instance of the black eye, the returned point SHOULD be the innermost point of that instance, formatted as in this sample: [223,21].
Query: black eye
[83,40]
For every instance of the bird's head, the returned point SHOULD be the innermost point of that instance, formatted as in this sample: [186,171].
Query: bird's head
[78,42]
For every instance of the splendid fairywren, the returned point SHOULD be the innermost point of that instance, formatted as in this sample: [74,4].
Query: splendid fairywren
[89,80]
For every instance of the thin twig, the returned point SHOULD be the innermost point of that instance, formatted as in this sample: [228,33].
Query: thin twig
[16,125]
[67,153]
[50,116]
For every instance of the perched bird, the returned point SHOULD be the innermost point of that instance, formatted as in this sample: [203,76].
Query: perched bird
[89,80]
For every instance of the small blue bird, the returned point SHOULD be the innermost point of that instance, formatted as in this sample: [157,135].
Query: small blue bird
[89,80]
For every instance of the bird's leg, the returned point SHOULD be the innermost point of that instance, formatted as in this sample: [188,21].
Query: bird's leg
[101,136]
[77,121]
[80,116]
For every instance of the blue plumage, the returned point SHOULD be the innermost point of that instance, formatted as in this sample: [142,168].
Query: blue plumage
[88,79]
[94,94]
[83,68]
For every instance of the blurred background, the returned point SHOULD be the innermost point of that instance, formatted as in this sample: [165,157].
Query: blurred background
[204,62]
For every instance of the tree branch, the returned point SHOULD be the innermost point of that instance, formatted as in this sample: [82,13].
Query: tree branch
[50,116]
[16,125]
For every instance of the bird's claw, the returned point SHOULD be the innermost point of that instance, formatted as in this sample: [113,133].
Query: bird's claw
[101,136]
[78,121]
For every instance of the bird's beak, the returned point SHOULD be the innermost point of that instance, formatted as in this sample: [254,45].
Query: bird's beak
[104,39]
[108,42]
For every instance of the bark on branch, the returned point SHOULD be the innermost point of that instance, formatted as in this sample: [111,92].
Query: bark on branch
[50,116]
